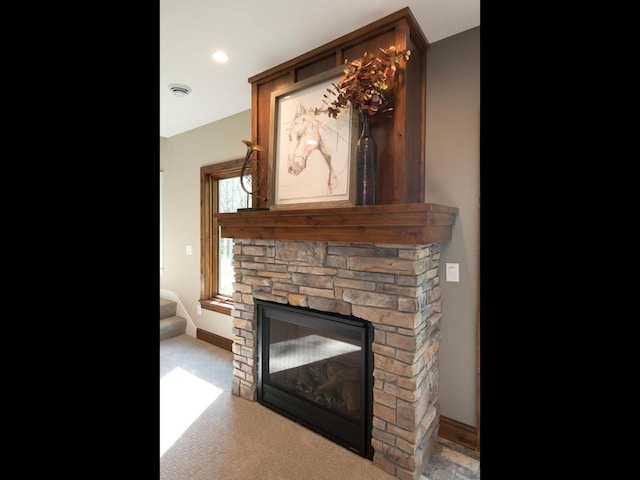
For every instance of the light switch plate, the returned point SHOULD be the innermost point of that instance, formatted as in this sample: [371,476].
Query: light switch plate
[452,272]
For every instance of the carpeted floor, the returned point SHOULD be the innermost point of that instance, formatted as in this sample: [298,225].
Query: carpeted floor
[208,433]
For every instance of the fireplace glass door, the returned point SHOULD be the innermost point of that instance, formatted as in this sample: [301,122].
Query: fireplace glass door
[315,368]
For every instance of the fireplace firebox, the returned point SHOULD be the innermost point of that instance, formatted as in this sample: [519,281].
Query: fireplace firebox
[317,369]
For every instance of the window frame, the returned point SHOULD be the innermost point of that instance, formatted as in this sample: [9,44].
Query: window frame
[210,298]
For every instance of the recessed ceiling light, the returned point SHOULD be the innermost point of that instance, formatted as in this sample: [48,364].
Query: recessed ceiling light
[179,90]
[220,57]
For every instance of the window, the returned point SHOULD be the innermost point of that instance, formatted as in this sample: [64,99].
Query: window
[220,191]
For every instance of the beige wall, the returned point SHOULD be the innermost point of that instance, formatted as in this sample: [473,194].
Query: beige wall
[452,178]
[181,157]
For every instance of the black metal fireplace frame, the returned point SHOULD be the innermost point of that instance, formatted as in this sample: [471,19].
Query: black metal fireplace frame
[352,434]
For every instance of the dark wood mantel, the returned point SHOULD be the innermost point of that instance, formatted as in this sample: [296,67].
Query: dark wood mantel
[412,223]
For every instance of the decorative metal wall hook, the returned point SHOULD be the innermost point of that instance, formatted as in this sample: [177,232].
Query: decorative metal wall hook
[251,174]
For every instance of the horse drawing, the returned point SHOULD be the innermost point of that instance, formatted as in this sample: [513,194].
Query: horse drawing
[305,138]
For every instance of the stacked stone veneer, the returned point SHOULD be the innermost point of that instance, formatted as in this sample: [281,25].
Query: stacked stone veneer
[396,288]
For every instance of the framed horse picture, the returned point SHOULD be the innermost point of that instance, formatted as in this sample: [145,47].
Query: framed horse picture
[311,155]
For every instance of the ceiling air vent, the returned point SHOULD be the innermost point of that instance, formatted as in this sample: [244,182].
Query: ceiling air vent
[179,90]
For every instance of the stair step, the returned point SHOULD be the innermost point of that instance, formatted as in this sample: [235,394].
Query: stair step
[172,327]
[168,308]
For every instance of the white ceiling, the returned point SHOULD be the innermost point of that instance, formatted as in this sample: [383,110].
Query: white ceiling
[261,34]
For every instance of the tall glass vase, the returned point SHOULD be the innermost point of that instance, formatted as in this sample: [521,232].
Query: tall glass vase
[366,163]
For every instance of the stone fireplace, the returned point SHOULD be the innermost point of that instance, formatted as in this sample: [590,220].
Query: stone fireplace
[393,286]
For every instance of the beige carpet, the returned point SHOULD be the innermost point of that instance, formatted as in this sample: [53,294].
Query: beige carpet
[208,433]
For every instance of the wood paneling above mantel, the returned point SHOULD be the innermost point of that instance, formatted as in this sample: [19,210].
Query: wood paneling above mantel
[412,223]
[401,216]
[399,134]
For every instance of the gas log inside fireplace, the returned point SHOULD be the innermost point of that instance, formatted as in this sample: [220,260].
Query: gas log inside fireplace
[317,369]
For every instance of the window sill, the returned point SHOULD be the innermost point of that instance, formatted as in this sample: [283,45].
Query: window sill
[221,305]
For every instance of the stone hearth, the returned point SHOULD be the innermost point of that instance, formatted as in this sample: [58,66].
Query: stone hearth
[396,287]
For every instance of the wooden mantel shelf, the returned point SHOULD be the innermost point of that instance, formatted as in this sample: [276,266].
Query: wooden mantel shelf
[411,223]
